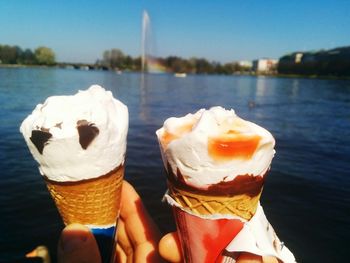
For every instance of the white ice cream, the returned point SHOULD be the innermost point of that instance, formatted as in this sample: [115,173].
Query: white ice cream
[63,157]
[207,147]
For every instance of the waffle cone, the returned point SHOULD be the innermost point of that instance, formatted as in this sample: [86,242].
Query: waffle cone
[89,202]
[241,205]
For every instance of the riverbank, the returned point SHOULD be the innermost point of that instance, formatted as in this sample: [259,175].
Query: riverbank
[82,66]
[23,66]
[58,65]
[312,76]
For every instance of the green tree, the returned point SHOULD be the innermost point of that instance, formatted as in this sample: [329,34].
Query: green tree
[117,58]
[44,56]
[106,58]
[28,57]
[8,54]
[137,63]
[114,58]
[128,62]
[203,66]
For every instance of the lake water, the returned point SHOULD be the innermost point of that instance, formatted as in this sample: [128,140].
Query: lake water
[306,196]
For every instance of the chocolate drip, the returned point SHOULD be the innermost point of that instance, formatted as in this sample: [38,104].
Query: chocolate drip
[242,184]
[39,138]
[87,133]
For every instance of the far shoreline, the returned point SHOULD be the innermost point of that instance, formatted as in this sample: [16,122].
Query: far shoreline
[82,66]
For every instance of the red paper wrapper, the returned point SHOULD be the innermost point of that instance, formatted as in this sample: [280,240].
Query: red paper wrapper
[203,240]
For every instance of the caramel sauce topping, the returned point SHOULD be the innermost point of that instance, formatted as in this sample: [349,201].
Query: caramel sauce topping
[180,131]
[233,145]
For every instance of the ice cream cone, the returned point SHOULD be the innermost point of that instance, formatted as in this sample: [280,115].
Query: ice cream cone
[216,164]
[79,142]
[93,202]
[241,205]
[203,239]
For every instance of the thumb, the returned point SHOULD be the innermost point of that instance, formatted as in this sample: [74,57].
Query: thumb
[169,248]
[77,244]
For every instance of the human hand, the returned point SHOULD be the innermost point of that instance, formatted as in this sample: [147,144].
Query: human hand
[137,238]
[137,235]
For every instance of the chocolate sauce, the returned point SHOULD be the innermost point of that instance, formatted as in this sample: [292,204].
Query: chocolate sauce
[39,138]
[87,133]
[243,184]
[110,173]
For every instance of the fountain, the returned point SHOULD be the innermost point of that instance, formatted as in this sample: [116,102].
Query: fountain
[145,31]
[149,62]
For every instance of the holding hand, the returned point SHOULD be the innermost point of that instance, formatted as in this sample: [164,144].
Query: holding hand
[137,235]
[138,238]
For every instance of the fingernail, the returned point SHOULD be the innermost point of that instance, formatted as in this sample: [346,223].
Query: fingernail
[72,241]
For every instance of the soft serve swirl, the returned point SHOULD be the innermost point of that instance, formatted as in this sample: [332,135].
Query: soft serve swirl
[77,137]
[213,146]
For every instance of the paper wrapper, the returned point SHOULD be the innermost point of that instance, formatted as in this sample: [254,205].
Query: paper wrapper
[215,238]
[94,203]
[202,240]
[258,237]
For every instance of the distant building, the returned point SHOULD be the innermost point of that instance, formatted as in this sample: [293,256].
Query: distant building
[265,66]
[298,57]
[333,62]
[245,64]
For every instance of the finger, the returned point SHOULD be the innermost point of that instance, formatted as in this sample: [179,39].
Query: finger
[146,252]
[140,228]
[133,209]
[123,240]
[249,258]
[269,259]
[77,244]
[170,248]
[120,255]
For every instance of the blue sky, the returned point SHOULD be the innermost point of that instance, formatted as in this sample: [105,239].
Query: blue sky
[79,31]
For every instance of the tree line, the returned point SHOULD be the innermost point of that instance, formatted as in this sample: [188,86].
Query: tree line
[116,59]
[335,62]
[16,55]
